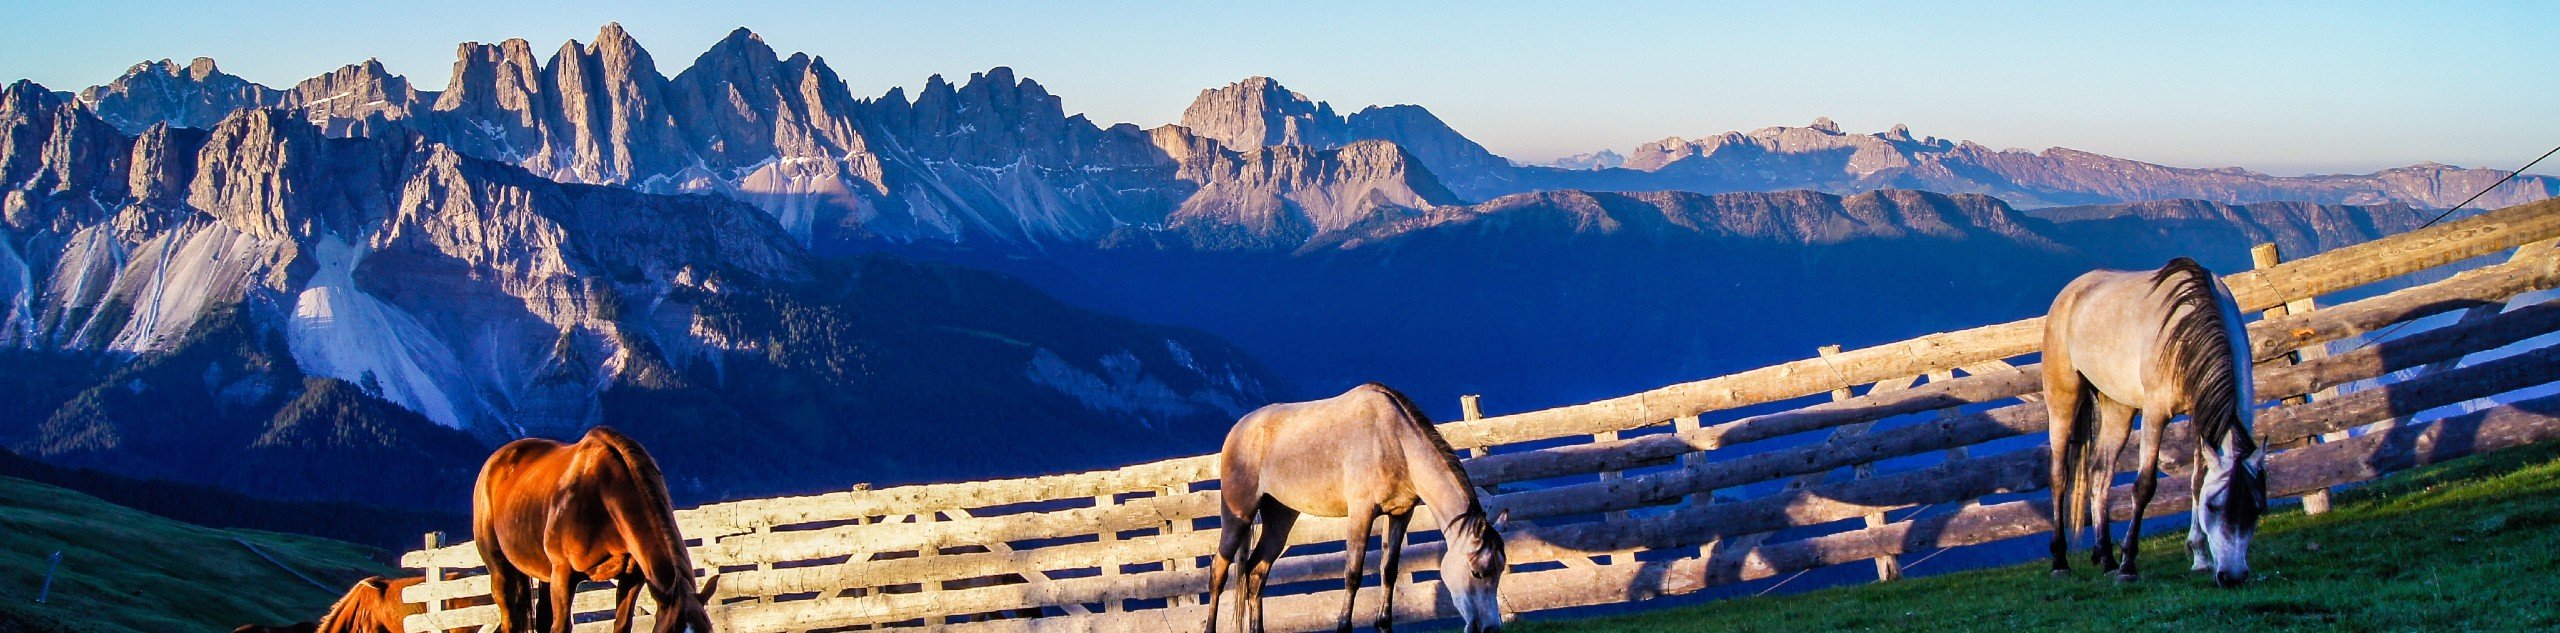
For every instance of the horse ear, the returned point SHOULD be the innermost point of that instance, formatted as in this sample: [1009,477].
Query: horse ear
[1502,518]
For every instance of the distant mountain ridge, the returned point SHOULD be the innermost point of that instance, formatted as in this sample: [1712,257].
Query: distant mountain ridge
[995,162]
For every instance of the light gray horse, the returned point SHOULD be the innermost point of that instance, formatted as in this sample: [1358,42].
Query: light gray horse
[1360,455]
[2159,343]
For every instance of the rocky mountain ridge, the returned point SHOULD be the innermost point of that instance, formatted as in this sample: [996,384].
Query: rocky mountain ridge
[996,163]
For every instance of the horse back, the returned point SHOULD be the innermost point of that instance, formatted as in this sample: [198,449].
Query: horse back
[513,501]
[1319,457]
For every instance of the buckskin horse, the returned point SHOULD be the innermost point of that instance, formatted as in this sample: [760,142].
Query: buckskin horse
[1363,454]
[567,513]
[2158,343]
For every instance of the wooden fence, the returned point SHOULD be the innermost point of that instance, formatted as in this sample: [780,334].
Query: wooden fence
[1649,494]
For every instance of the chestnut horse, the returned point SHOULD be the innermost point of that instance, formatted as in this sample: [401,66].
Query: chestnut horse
[568,513]
[2159,343]
[373,605]
[1363,454]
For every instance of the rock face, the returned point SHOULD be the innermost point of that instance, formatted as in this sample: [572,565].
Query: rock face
[195,95]
[1282,196]
[1258,112]
[263,272]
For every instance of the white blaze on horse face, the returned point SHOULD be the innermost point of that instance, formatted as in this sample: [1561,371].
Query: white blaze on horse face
[2228,527]
[1477,598]
[1473,572]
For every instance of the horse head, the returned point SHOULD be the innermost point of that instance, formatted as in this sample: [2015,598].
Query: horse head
[2233,497]
[1471,568]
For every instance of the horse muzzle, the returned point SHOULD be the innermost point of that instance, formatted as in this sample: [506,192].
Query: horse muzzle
[2230,580]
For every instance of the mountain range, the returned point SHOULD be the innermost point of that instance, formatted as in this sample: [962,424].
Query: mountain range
[198,298]
[996,162]
[277,290]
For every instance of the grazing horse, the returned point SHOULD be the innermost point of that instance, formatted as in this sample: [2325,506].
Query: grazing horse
[1365,453]
[2159,343]
[373,605]
[567,513]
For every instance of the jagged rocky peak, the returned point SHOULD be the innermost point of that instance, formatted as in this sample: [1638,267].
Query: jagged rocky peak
[995,118]
[164,163]
[274,177]
[1258,111]
[52,156]
[355,100]
[1285,196]
[749,105]
[195,95]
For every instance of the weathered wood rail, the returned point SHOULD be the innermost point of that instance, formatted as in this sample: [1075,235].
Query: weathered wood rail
[1649,494]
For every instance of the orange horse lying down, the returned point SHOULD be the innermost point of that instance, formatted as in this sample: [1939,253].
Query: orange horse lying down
[372,606]
[567,513]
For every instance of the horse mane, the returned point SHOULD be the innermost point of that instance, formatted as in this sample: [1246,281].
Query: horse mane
[652,488]
[1440,445]
[2198,348]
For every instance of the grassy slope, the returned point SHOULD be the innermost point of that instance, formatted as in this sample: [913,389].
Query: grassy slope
[2469,545]
[126,570]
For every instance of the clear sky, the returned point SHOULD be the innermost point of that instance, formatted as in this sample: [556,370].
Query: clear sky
[2283,88]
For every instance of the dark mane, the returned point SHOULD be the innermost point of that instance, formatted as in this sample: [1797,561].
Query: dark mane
[2199,350]
[1448,456]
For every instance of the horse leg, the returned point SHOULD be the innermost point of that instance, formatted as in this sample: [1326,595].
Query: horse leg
[564,591]
[1276,521]
[2115,425]
[514,593]
[626,596]
[1355,553]
[1390,560]
[2145,480]
[1234,527]
[2065,403]
[2197,549]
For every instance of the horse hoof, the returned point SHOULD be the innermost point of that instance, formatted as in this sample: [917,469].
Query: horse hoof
[2062,573]
[2124,578]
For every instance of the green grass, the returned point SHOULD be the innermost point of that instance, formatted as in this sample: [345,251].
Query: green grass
[2472,544]
[126,570]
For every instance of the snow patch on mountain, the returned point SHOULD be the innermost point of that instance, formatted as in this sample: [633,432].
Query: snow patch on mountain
[190,271]
[339,331]
[18,286]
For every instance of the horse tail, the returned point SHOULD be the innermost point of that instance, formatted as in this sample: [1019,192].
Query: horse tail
[2075,486]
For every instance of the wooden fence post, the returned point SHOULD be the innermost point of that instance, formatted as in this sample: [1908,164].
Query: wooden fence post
[2267,256]
[434,574]
[931,549]
[1960,452]
[1471,407]
[1887,567]
[1110,568]
[1177,527]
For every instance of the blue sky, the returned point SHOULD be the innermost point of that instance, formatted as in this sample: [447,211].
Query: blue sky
[2284,88]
